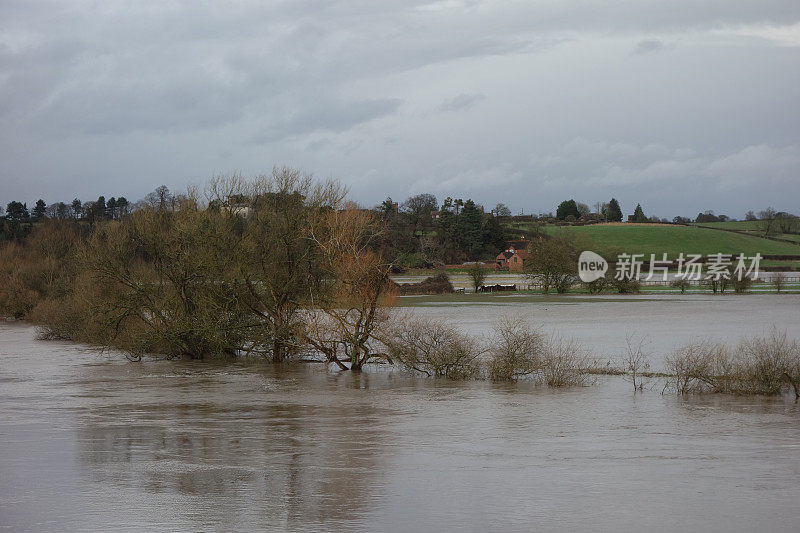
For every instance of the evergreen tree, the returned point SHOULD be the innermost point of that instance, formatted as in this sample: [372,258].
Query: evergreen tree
[17,211]
[387,207]
[122,206]
[494,236]
[470,224]
[447,222]
[97,211]
[39,209]
[614,212]
[567,208]
[111,207]
[77,208]
[638,215]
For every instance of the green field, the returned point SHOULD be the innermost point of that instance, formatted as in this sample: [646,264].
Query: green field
[738,225]
[657,239]
[753,227]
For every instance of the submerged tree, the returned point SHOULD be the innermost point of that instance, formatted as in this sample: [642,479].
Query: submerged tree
[359,292]
[156,283]
[270,225]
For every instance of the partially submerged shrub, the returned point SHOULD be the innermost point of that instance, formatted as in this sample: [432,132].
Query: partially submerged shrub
[766,364]
[515,350]
[694,366]
[435,348]
[717,285]
[564,363]
[40,268]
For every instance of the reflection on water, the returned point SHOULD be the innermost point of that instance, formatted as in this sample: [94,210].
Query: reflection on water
[91,441]
[293,447]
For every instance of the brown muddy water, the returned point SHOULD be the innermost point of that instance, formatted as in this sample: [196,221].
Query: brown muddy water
[93,442]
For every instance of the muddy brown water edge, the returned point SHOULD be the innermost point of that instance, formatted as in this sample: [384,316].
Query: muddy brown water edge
[91,441]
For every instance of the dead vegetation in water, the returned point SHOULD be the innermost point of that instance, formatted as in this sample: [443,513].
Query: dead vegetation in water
[514,351]
[765,364]
[434,348]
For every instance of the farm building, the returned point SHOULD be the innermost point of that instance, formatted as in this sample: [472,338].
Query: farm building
[513,257]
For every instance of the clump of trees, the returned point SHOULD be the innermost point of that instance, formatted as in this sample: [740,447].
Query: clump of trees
[420,233]
[232,271]
[772,222]
[709,216]
[462,232]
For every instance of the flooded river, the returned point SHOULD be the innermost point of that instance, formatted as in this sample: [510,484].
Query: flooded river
[93,442]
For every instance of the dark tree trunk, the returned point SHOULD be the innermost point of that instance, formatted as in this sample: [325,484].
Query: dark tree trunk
[278,351]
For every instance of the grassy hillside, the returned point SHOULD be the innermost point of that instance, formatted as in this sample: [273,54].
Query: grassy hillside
[657,239]
[738,225]
[753,227]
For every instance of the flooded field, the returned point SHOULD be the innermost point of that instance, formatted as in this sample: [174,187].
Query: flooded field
[91,441]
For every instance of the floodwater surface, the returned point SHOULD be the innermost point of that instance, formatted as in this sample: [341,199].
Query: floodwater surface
[91,441]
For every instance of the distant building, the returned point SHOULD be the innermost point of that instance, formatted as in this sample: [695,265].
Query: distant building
[240,209]
[513,257]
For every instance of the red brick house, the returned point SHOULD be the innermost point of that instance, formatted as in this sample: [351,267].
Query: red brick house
[513,257]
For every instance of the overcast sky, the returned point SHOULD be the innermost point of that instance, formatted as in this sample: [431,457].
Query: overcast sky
[681,105]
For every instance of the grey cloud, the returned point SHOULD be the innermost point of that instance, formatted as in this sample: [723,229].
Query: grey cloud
[602,164]
[348,88]
[648,45]
[323,114]
[462,101]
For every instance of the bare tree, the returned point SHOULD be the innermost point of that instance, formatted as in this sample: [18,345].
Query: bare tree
[767,220]
[419,206]
[515,350]
[361,293]
[779,280]
[434,348]
[636,360]
[477,275]
[502,210]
